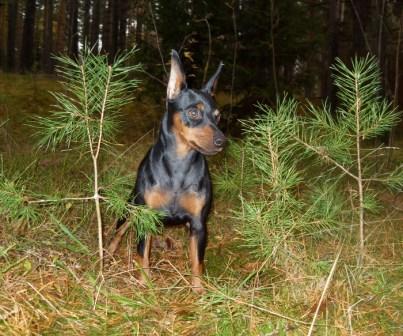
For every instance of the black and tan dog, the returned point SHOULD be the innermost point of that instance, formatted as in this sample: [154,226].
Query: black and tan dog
[173,177]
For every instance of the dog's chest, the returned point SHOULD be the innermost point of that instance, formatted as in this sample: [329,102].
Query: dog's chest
[179,188]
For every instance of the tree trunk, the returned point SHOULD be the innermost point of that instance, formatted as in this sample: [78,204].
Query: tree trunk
[106,27]
[3,38]
[124,9]
[61,27]
[114,29]
[140,10]
[86,22]
[96,14]
[27,48]
[73,28]
[361,13]
[328,89]
[12,9]
[47,65]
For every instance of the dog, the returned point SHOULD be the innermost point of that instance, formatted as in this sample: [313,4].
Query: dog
[173,177]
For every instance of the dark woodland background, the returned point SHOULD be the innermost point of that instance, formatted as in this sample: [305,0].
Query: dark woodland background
[268,46]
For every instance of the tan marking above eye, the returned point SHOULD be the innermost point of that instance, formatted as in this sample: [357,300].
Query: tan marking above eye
[200,106]
[216,113]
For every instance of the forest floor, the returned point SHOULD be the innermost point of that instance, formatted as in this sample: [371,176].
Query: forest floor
[49,283]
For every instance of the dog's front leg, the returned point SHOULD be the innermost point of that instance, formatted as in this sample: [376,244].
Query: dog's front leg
[144,251]
[197,247]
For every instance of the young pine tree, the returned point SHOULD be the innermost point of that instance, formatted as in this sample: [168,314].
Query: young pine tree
[311,172]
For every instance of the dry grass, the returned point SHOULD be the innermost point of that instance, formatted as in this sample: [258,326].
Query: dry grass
[49,284]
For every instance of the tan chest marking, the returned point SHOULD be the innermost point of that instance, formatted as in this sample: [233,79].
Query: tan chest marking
[156,198]
[192,203]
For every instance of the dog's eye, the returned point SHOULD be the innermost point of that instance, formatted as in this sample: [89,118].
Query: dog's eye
[194,114]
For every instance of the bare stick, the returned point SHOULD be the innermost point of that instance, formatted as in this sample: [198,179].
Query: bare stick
[153,77]
[235,55]
[357,15]
[396,90]
[359,170]
[380,30]
[95,155]
[185,40]
[64,199]
[397,61]
[209,47]
[329,278]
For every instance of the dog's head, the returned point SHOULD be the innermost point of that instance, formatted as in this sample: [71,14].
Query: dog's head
[193,113]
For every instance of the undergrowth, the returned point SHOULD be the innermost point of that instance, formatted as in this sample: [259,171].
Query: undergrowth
[265,272]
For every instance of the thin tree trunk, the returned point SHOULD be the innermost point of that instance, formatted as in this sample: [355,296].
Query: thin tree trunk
[381,43]
[235,6]
[73,28]
[86,22]
[124,8]
[27,48]
[47,36]
[3,38]
[106,27]
[140,10]
[398,75]
[61,27]
[12,10]
[361,10]
[332,51]
[114,28]
[273,50]
[96,15]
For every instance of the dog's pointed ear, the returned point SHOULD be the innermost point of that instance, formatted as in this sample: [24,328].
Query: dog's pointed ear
[177,78]
[211,85]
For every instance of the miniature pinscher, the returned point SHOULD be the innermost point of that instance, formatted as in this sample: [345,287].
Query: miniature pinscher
[174,177]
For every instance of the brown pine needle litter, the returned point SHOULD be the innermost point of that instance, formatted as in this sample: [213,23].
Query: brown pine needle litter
[48,275]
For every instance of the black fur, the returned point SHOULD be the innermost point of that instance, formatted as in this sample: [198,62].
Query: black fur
[180,174]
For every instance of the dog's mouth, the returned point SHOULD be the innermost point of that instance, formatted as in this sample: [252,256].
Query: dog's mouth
[204,151]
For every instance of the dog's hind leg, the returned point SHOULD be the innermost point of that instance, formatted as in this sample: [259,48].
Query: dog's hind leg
[121,227]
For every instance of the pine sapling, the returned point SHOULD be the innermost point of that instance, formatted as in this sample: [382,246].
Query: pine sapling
[87,114]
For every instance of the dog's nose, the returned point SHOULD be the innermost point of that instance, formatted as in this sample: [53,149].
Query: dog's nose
[219,141]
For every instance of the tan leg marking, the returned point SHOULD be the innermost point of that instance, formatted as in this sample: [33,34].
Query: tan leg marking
[197,267]
[145,261]
[156,198]
[192,203]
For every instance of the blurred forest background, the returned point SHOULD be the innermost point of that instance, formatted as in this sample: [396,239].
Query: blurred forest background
[268,46]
